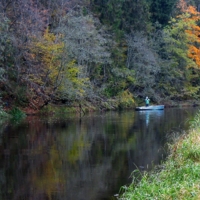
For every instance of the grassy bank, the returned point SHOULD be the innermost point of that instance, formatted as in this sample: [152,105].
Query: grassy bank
[178,177]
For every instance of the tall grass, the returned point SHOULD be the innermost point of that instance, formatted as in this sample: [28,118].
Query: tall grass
[179,177]
[195,123]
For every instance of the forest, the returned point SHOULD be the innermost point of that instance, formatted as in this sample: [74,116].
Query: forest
[98,52]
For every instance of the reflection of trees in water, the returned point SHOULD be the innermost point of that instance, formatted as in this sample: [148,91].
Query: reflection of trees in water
[86,159]
[150,138]
[64,159]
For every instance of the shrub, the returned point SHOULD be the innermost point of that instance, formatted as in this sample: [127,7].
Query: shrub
[16,113]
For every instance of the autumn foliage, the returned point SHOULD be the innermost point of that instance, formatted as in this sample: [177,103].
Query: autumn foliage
[73,51]
[193,33]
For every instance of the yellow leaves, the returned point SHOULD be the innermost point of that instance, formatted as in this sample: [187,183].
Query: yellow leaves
[72,82]
[49,47]
[126,99]
[49,50]
[49,36]
[57,71]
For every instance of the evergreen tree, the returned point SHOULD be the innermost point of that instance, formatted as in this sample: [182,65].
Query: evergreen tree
[161,10]
[123,15]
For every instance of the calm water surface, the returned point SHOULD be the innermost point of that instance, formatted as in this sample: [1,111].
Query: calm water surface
[83,159]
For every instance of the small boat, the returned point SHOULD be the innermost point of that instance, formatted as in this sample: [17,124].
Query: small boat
[158,107]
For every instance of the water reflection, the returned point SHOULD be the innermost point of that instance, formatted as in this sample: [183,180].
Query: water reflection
[87,159]
[151,115]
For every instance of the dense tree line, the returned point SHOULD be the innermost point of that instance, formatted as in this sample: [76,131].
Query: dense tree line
[73,50]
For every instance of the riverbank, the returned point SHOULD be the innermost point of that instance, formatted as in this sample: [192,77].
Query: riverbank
[178,177]
[121,102]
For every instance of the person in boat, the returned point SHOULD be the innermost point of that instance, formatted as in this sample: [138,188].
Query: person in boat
[147,100]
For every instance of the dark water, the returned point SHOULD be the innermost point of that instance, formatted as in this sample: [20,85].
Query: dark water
[83,159]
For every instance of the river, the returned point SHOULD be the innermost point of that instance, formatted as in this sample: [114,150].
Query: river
[87,158]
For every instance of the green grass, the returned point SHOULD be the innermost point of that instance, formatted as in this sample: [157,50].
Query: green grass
[178,177]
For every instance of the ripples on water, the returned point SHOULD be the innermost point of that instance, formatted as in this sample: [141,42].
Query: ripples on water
[82,159]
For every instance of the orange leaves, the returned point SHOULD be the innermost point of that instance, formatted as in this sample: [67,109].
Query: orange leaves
[193,50]
[194,54]
[192,10]
[184,8]
[193,34]
[190,17]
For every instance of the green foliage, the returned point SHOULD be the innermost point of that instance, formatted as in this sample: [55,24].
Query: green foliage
[126,100]
[161,10]
[179,72]
[177,77]
[17,114]
[123,15]
[119,81]
[73,86]
[59,111]
[195,123]
[117,75]
[177,42]
[178,177]
[99,48]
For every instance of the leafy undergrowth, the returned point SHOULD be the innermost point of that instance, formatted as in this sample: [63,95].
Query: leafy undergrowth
[17,114]
[179,177]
